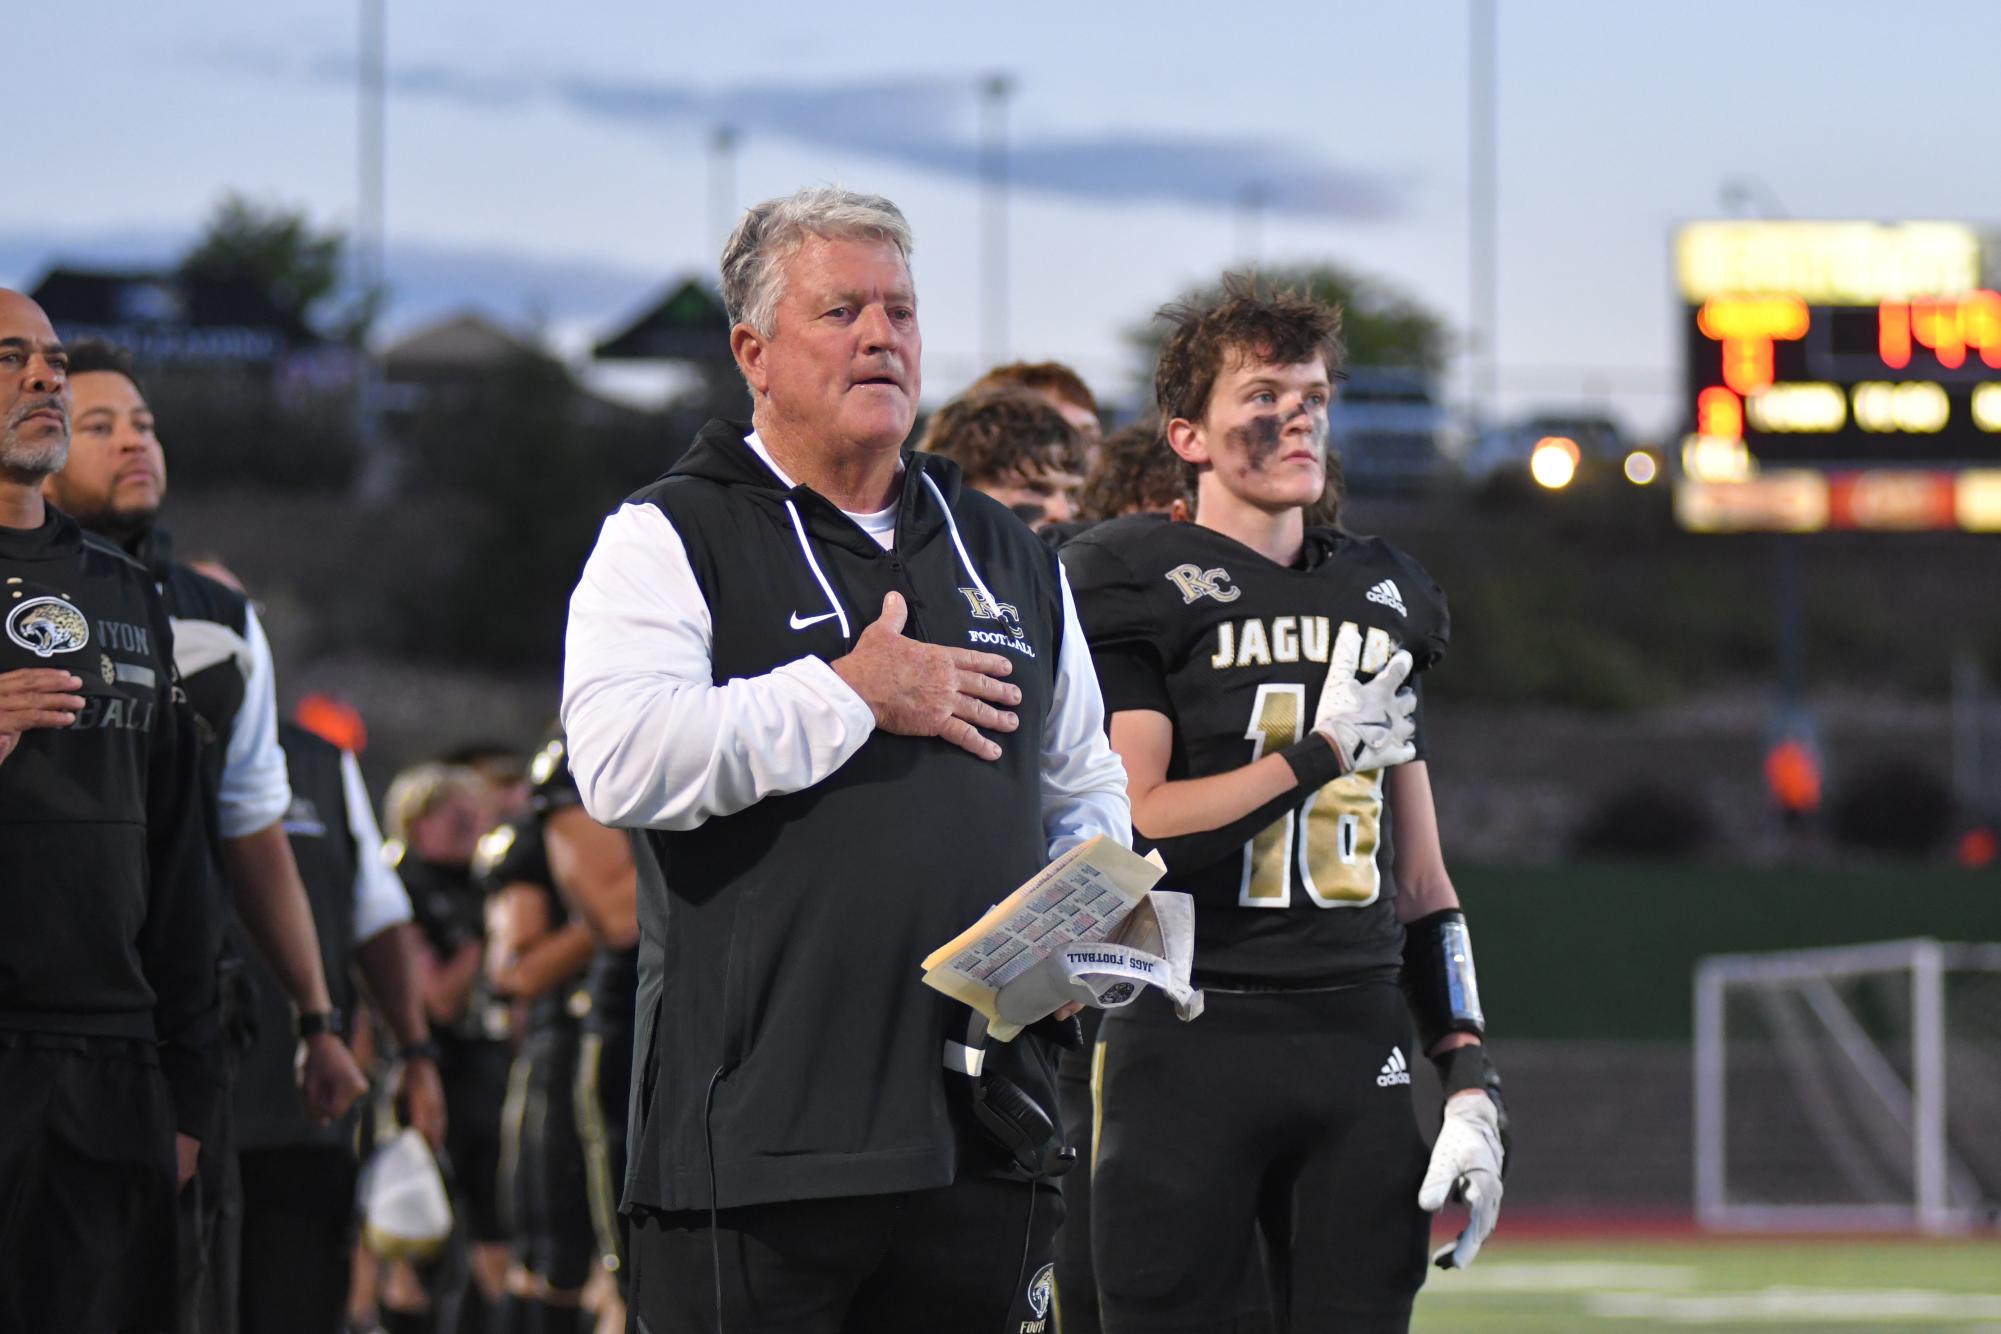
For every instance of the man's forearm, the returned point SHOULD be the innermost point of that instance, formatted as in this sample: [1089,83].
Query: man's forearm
[271,902]
[389,968]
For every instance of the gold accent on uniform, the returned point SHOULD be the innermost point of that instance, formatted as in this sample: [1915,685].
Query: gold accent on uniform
[546,761]
[1276,720]
[1338,852]
[596,1136]
[1097,1099]
[1334,847]
[494,844]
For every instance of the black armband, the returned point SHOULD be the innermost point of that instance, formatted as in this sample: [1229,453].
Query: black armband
[426,1050]
[1315,762]
[1438,977]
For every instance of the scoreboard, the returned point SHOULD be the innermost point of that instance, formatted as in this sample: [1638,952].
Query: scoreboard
[1839,374]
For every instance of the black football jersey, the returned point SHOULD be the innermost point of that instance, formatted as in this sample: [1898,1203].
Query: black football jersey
[1234,649]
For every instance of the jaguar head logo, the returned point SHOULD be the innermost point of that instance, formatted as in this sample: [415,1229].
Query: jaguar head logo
[1042,1290]
[1118,993]
[46,626]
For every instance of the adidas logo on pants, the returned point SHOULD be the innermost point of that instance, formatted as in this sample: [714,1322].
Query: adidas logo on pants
[1394,1071]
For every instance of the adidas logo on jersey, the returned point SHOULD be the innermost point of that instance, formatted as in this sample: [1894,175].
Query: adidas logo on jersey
[1386,594]
[1395,1070]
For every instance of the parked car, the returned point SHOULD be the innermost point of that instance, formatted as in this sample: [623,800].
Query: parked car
[1392,432]
[1507,448]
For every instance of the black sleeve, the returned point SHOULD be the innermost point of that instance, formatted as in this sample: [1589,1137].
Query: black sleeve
[1431,619]
[179,942]
[1430,633]
[1113,610]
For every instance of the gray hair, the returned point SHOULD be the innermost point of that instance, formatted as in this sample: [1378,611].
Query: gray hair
[770,233]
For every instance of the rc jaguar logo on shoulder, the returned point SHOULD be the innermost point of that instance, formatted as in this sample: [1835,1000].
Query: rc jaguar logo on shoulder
[46,626]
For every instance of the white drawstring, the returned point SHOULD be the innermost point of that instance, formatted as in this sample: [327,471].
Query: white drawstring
[965,559]
[806,548]
[951,524]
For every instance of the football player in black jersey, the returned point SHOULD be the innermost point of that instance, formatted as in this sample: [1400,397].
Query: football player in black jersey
[535,957]
[435,813]
[594,871]
[1254,673]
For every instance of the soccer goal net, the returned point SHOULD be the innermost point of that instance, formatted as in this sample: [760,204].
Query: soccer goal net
[1856,1087]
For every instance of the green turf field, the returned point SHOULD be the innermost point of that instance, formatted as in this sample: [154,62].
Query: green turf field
[1850,1287]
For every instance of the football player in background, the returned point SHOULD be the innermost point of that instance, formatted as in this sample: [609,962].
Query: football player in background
[1253,669]
[1057,385]
[536,955]
[1135,472]
[1012,445]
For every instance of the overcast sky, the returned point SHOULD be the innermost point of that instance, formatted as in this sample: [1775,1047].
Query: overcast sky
[554,166]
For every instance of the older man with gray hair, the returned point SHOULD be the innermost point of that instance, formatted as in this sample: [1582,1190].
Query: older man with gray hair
[848,704]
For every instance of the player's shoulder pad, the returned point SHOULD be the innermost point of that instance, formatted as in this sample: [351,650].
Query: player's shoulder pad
[1128,535]
[1116,575]
[551,785]
[509,854]
[1106,561]
[1427,619]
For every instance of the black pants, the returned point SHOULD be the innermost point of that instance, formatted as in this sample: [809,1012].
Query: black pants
[915,1263]
[474,1073]
[604,1084]
[1076,1284]
[298,1235]
[86,1186]
[543,1162]
[1276,1110]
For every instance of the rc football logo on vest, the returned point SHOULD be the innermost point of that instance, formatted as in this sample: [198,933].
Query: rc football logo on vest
[1010,635]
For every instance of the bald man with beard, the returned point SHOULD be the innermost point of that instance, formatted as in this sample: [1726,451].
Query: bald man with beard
[108,912]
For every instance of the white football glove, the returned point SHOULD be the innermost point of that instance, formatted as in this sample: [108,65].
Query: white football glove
[1370,725]
[1465,1165]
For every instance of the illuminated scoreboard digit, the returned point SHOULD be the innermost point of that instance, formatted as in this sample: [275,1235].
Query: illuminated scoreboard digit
[1823,355]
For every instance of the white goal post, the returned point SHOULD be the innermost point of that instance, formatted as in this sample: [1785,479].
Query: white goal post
[1857,1087]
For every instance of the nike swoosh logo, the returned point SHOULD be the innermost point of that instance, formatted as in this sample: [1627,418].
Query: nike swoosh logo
[801,622]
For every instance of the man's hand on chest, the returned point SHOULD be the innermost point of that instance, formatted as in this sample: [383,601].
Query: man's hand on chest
[919,689]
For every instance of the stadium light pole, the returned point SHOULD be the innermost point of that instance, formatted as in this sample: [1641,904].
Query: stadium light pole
[377,475]
[994,93]
[722,184]
[1483,137]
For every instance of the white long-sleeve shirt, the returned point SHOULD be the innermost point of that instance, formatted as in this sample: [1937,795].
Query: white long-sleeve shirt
[256,791]
[655,743]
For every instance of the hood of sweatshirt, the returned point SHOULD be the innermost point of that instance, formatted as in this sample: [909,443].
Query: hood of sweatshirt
[930,493]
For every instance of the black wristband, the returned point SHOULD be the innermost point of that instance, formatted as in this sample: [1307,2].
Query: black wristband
[1466,1067]
[1314,761]
[427,1050]
[320,1021]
